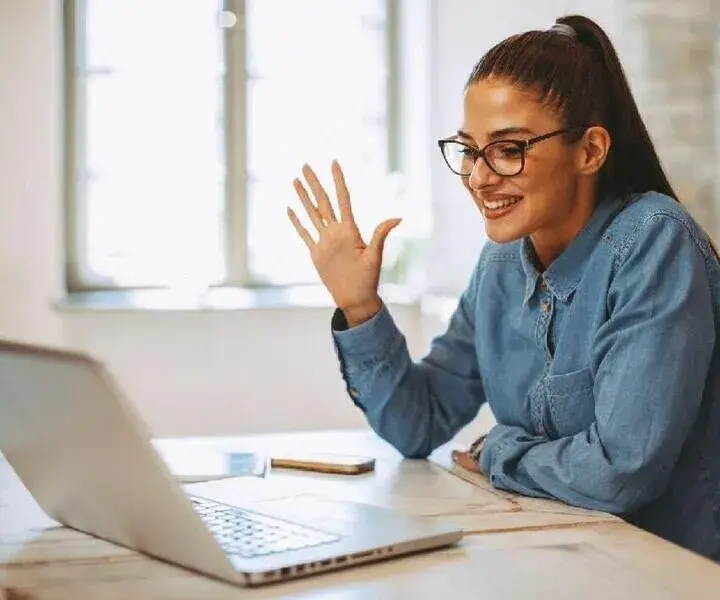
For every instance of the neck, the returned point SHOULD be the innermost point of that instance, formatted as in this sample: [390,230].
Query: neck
[551,242]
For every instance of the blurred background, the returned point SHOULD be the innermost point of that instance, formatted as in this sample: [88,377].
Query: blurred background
[147,150]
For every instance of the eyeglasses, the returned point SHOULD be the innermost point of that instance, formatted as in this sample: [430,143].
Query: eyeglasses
[504,157]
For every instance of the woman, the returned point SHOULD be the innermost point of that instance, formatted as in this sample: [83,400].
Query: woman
[589,324]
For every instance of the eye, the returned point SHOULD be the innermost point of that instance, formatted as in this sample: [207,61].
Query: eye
[468,152]
[509,151]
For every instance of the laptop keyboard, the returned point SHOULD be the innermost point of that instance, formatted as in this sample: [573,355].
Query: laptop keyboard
[250,535]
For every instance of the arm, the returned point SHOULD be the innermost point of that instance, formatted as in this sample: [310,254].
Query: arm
[651,361]
[416,407]
[419,406]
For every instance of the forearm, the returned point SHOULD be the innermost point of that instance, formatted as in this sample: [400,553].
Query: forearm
[566,469]
[583,470]
[414,406]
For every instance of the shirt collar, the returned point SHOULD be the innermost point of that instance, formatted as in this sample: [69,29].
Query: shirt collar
[564,273]
[528,259]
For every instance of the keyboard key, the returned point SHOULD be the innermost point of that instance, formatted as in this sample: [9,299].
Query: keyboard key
[249,534]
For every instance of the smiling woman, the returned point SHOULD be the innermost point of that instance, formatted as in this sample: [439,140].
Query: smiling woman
[590,324]
[505,157]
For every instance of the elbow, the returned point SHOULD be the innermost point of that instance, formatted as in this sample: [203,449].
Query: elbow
[412,449]
[621,505]
[409,446]
[628,500]
[415,453]
[625,480]
[628,493]
[411,440]
[422,446]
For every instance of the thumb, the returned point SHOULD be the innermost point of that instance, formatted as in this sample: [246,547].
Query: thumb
[377,243]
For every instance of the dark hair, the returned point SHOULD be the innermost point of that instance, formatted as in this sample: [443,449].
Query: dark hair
[575,70]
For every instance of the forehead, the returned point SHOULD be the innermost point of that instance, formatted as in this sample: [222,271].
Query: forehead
[493,104]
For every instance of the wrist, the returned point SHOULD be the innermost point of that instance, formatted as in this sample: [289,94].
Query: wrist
[358,314]
[477,447]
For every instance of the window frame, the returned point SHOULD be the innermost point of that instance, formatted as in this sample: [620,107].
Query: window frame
[78,276]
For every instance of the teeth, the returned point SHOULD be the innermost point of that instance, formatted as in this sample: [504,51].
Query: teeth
[494,205]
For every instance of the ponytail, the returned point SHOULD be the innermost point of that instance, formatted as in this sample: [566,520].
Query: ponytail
[633,164]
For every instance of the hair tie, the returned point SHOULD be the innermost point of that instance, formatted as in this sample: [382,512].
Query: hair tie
[563,29]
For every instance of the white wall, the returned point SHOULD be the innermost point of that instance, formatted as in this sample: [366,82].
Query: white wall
[30,217]
[224,372]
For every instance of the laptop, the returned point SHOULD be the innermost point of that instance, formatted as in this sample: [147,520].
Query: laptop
[88,460]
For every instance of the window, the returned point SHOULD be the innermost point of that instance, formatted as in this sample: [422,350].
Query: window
[188,120]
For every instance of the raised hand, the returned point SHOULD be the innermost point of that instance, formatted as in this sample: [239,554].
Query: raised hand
[349,268]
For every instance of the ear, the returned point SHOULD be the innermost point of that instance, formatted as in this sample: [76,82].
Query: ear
[594,147]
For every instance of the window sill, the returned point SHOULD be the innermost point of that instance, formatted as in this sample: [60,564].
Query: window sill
[216,299]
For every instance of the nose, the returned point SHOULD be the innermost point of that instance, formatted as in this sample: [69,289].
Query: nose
[481,175]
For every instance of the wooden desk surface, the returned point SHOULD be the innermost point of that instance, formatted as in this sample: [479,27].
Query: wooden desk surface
[515,548]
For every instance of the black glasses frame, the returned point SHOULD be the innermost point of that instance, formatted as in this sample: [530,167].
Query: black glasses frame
[477,153]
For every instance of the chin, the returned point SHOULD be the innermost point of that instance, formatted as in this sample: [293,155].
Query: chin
[503,235]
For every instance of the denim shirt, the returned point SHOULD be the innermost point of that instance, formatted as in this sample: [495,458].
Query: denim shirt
[602,371]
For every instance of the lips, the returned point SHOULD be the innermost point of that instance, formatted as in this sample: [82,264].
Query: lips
[499,201]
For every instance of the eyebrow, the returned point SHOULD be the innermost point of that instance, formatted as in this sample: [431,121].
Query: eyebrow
[498,133]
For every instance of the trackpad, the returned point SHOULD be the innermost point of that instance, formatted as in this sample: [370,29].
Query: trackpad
[315,511]
[283,502]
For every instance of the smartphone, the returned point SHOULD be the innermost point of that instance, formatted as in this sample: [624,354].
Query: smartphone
[325,463]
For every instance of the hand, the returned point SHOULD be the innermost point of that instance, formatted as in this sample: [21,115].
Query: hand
[466,461]
[349,268]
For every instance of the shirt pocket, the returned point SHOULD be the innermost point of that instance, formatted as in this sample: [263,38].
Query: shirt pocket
[571,402]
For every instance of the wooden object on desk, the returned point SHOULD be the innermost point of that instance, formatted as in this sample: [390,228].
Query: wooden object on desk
[605,561]
[517,547]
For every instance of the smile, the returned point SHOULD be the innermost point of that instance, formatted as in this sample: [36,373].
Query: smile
[500,203]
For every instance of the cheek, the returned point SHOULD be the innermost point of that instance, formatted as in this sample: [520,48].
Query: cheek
[551,196]
[546,180]
[466,184]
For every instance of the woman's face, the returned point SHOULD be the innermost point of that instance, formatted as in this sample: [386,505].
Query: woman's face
[542,201]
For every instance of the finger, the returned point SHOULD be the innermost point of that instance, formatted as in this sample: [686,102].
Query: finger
[381,232]
[343,194]
[469,464]
[464,460]
[323,202]
[310,208]
[458,455]
[302,232]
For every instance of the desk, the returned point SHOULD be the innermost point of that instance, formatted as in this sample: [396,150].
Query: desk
[515,548]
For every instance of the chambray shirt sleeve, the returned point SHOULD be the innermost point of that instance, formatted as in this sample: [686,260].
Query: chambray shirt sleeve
[651,360]
[415,406]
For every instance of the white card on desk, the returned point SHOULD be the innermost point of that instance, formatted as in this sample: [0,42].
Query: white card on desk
[230,464]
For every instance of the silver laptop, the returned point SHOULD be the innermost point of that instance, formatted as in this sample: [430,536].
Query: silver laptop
[87,458]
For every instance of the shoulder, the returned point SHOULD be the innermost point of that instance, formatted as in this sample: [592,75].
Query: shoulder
[654,221]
